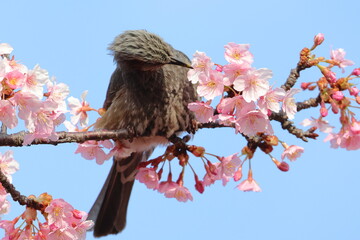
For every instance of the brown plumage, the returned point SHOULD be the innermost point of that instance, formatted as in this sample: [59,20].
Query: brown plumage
[148,95]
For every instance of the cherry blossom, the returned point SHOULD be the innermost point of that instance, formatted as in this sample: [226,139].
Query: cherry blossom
[149,177]
[271,100]
[292,152]
[35,81]
[15,79]
[253,122]
[234,70]
[7,114]
[94,149]
[338,56]
[238,53]
[8,164]
[235,104]
[210,86]
[79,110]
[203,111]
[289,104]
[5,48]
[319,123]
[249,184]
[253,84]
[201,64]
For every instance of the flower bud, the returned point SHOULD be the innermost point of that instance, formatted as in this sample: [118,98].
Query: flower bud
[338,95]
[199,185]
[272,140]
[305,85]
[283,166]
[312,87]
[323,110]
[356,72]
[318,39]
[354,91]
[197,151]
[238,174]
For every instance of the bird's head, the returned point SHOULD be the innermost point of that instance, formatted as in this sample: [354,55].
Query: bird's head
[143,50]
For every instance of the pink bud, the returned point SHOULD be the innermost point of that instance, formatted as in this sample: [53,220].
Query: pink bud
[334,107]
[238,174]
[199,185]
[338,95]
[354,91]
[305,85]
[283,166]
[318,39]
[323,110]
[356,72]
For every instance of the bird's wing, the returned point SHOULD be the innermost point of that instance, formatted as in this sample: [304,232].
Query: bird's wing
[116,82]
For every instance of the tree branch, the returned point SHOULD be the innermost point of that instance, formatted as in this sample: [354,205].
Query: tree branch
[16,196]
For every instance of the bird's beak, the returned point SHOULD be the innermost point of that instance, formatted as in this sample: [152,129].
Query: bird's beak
[179,63]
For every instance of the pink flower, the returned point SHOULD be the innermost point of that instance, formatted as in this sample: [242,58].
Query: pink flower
[356,72]
[253,122]
[65,222]
[228,166]
[7,114]
[35,80]
[319,123]
[238,53]
[253,84]
[66,233]
[338,95]
[235,104]
[210,86]
[354,91]
[94,149]
[271,100]
[292,152]
[203,111]
[344,139]
[238,174]
[15,79]
[289,104]
[59,213]
[27,103]
[5,48]
[355,126]
[42,123]
[233,70]
[149,177]
[8,165]
[318,39]
[213,173]
[224,119]
[249,184]
[338,56]
[201,64]
[181,193]
[79,110]
[57,92]
[167,187]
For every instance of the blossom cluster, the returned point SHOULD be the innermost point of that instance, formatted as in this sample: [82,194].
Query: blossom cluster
[246,97]
[338,94]
[62,221]
[32,96]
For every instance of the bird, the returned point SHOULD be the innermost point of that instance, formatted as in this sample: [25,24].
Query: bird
[148,95]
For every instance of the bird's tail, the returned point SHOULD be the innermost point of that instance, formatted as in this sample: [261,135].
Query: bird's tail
[110,207]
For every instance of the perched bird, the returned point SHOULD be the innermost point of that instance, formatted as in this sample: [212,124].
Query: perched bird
[147,95]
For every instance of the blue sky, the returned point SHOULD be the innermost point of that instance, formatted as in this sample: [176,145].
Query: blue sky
[317,199]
